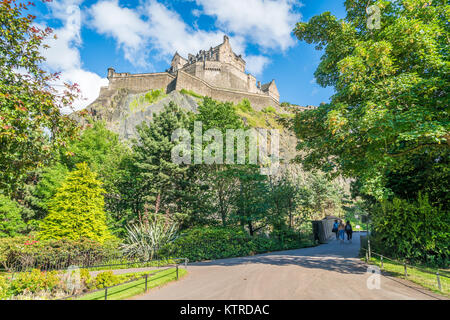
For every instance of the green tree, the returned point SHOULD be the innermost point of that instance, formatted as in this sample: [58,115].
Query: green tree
[250,198]
[219,178]
[105,154]
[77,209]
[391,100]
[32,126]
[50,180]
[414,230]
[160,183]
[318,196]
[11,223]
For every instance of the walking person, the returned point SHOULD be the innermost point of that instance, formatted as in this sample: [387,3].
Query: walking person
[335,228]
[349,231]
[341,230]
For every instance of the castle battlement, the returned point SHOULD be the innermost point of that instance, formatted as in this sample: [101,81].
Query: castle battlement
[218,73]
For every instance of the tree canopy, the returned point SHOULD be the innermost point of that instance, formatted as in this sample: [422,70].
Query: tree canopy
[391,101]
[77,209]
[32,125]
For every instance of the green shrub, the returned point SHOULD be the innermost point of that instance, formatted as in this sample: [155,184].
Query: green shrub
[210,243]
[144,238]
[78,208]
[269,109]
[146,99]
[245,106]
[106,279]
[21,253]
[34,281]
[11,223]
[4,287]
[416,231]
[191,93]
[218,243]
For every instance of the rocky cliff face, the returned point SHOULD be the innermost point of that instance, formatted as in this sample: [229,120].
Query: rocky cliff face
[123,111]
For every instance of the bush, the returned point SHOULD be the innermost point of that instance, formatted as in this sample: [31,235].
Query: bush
[21,253]
[416,231]
[4,288]
[33,282]
[144,238]
[106,279]
[210,243]
[191,93]
[11,223]
[269,109]
[218,243]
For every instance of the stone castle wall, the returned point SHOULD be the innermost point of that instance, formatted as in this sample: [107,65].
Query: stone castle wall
[138,83]
[188,82]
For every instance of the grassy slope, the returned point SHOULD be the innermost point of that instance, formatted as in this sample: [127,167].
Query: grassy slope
[424,279]
[136,287]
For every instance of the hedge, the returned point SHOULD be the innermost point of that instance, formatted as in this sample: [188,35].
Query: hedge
[218,243]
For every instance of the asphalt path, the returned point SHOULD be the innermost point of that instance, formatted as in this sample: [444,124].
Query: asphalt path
[330,271]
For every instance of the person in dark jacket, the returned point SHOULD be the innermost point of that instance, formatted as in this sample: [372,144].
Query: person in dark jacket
[349,230]
[335,228]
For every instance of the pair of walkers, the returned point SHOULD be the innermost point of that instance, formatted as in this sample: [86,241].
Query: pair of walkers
[340,229]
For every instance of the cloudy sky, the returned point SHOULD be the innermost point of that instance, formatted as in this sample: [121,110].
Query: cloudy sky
[140,36]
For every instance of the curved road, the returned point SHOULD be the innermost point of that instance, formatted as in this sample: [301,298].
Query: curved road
[329,271]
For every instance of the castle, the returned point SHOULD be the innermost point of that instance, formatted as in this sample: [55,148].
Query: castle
[217,73]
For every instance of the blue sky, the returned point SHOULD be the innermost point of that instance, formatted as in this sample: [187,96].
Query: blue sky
[141,36]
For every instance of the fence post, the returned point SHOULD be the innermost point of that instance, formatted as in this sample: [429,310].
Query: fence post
[177,271]
[146,278]
[106,293]
[367,257]
[185,263]
[381,262]
[439,281]
[368,245]
[406,273]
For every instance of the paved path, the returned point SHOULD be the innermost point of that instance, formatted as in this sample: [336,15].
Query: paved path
[329,271]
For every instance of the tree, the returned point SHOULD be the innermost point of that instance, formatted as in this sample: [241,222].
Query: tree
[32,126]
[250,198]
[11,223]
[318,196]
[391,101]
[160,183]
[38,196]
[105,154]
[219,177]
[77,209]
[283,195]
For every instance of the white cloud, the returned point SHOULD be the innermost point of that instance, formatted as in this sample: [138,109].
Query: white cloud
[124,25]
[154,27]
[268,23]
[256,64]
[169,33]
[63,55]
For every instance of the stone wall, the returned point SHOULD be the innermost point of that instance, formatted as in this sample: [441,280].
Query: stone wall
[137,83]
[189,82]
[140,82]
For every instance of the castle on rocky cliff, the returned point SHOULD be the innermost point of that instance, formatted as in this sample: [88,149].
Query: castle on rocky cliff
[217,73]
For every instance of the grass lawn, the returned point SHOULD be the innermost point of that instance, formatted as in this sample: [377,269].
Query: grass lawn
[136,287]
[427,280]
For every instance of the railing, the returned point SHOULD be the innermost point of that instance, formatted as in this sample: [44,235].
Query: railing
[75,296]
[438,279]
[87,260]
